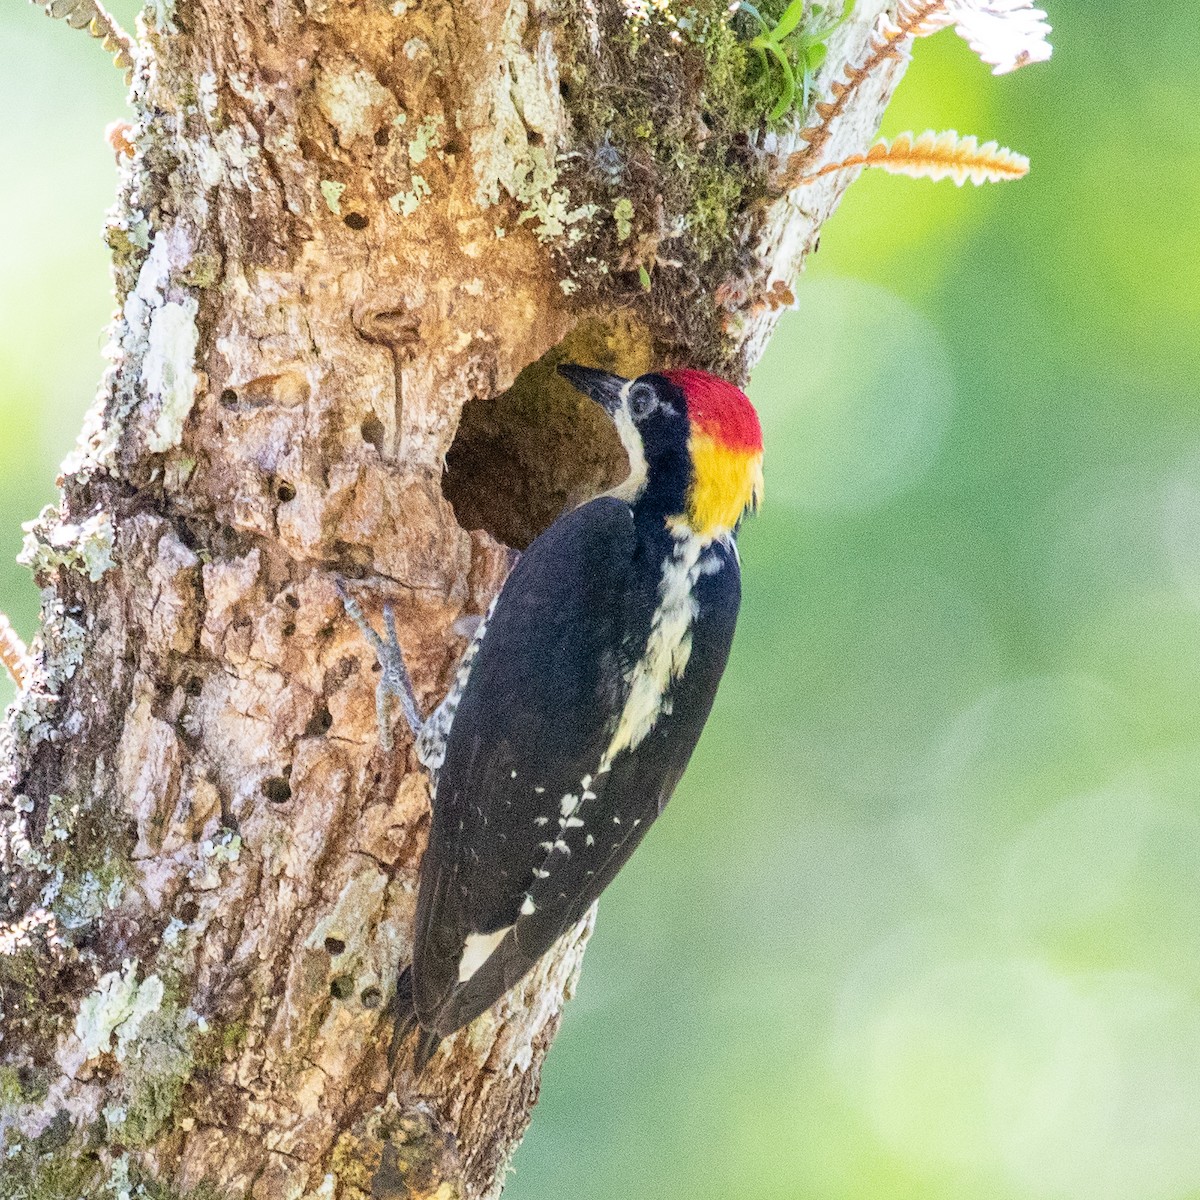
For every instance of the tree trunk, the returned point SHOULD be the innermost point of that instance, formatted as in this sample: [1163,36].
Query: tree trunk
[352,241]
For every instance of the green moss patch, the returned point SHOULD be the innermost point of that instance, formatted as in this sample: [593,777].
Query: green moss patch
[663,116]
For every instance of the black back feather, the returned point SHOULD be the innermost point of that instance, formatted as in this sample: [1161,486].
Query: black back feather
[534,720]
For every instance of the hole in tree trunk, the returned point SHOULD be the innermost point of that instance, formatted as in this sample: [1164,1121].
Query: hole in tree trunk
[320,723]
[277,790]
[372,432]
[522,458]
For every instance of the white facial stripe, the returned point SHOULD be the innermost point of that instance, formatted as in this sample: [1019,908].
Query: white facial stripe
[635,481]
[477,950]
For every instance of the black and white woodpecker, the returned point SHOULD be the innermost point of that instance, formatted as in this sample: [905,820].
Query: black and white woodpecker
[580,698]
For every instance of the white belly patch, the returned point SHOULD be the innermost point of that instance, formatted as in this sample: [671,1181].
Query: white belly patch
[668,648]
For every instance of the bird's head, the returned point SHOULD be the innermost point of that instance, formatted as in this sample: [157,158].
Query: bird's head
[694,444]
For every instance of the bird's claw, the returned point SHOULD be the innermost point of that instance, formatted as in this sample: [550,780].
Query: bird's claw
[394,680]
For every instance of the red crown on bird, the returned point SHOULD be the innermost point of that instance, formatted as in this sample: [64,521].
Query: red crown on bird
[718,408]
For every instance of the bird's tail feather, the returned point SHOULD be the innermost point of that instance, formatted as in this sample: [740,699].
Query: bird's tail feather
[427,1044]
[404,1021]
[404,1015]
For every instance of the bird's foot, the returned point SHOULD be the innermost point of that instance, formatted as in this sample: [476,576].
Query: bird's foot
[394,680]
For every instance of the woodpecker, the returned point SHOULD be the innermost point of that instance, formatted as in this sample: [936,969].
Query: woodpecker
[580,698]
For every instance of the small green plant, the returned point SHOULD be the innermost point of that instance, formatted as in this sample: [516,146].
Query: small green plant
[792,50]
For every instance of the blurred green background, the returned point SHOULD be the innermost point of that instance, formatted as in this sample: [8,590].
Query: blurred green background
[922,920]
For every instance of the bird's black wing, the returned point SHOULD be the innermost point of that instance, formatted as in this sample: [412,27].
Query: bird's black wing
[581,829]
[530,723]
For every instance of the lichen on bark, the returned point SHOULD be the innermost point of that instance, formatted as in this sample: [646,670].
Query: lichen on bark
[350,245]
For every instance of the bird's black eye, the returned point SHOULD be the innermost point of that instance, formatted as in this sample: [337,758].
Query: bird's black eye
[641,400]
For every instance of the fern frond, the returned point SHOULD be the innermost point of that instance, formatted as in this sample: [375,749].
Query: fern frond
[1006,34]
[95,18]
[890,40]
[920,19]
[936,156]
[13,653]
[778,296]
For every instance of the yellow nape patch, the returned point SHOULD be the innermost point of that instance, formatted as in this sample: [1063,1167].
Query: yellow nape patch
[725,483]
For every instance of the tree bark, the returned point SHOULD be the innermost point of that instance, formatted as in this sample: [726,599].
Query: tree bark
[351,241]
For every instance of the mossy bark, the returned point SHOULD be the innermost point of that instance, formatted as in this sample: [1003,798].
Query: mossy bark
[342,224]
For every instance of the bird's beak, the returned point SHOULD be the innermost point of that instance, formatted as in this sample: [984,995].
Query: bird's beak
[602,387]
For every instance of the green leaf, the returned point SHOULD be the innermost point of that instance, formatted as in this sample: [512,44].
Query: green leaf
[792,16]
[788,96]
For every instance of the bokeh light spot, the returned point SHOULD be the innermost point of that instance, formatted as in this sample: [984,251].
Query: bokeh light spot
[974,1055]
[861,397]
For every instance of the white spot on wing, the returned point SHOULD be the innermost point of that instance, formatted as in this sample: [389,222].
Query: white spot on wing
[477,950]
